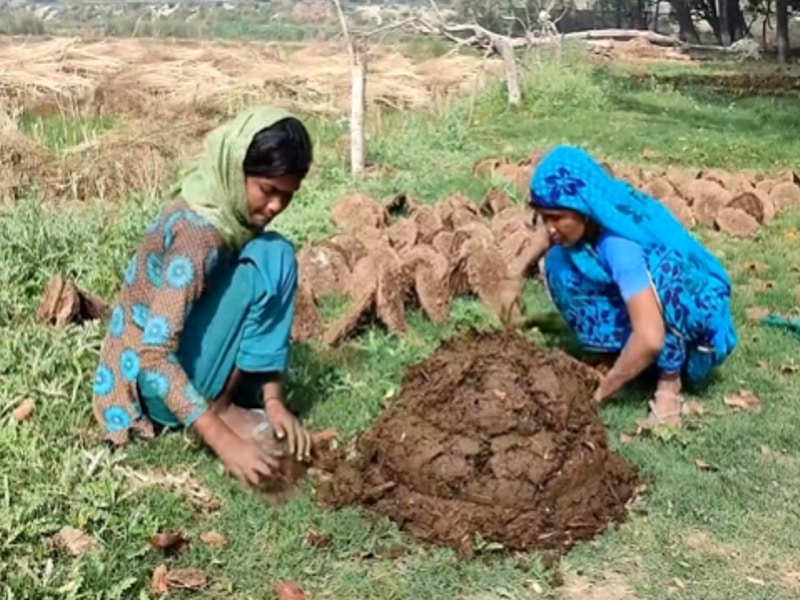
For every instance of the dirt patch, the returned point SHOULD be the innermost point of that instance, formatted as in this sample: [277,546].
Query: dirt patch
[637,51]
[612,587]
[704,544]
[490,437]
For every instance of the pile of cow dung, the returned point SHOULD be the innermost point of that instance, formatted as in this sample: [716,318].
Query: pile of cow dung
[491,437]
[384,260]
[736,203]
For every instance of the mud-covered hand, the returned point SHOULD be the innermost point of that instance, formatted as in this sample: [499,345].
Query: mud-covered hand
[288,427]
[599,393]
[609,385]
[247,461]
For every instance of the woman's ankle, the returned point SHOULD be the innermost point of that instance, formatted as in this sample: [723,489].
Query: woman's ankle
[669,383]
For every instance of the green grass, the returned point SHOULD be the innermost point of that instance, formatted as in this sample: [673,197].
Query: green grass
[60,132]
[55,474]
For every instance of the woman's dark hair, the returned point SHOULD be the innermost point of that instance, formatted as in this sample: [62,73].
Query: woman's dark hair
[284,148]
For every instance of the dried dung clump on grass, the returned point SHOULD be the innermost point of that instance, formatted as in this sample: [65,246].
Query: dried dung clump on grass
[736,203]
[491,436]
[384,261]
[63,302]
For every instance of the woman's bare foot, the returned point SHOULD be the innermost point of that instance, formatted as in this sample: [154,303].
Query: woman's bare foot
[666,407]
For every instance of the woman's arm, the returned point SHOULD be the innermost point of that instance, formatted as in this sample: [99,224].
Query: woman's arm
[266,347]
[626,262]
[273,388]
[642,346]
[180,280]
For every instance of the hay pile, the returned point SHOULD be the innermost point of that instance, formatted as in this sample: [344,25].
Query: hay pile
[171,93]
[139,157]
[384,261]
[21,161]
[161,77]
[736,203]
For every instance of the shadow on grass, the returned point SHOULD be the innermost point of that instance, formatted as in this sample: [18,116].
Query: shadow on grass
[315,371]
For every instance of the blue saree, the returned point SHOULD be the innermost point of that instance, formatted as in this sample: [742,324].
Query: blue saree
[692,285]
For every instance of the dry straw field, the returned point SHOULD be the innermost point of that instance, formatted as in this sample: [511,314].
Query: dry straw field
[163,95]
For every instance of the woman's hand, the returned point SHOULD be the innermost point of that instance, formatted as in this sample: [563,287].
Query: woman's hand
[286,425]
[608,386]
[245,459]
[248,461]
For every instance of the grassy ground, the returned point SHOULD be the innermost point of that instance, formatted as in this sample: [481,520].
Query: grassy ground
[701,534]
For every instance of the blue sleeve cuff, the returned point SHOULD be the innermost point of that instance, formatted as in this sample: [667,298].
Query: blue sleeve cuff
[255,360]
[198,412]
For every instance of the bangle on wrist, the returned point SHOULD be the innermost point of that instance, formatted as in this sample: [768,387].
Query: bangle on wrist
[272,399]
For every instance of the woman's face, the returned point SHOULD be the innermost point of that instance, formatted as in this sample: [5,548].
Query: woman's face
[565,227]
[267,197]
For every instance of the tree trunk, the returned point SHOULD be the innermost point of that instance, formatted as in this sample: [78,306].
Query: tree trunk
[735,20]
[637,14]
[512,74]
[655,16]
[618,11]
[766,24]
[731,19]
[722,12]
[358,101]
[687,31]
[782,31]
[712,16]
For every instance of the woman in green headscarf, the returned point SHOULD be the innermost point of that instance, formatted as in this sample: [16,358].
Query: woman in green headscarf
[205,312]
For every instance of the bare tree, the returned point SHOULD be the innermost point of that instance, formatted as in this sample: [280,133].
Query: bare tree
[358,51]
[782,31]
[358,94]
[540,26]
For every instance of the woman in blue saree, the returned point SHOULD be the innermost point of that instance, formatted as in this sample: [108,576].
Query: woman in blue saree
[628,278]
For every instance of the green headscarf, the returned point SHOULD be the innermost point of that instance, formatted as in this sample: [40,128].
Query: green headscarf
[215,187]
